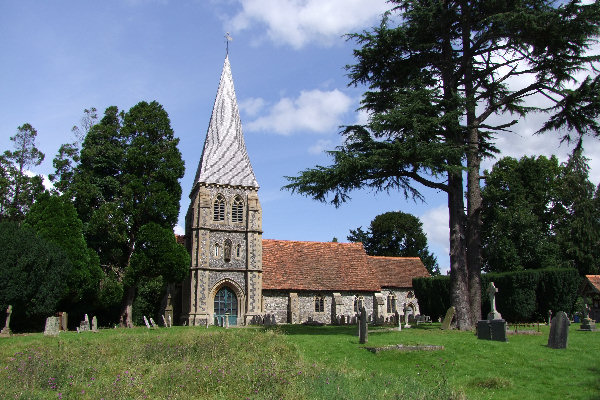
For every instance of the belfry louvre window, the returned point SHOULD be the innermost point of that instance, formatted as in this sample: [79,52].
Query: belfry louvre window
[319,304]
[219,209]
[237,210]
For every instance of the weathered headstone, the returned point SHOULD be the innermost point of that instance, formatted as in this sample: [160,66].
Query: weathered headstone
[165,321]
[587,324]
[362,332]
[492,330]
[146,322]
[226,320]
[94,324]
[171,322]
[64,321]
[84,326]
[154,324]
[6,330]
[559,331]
[448,318]
[493,314]
[51,328]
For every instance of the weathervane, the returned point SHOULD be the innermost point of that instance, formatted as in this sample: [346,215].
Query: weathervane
[227,40]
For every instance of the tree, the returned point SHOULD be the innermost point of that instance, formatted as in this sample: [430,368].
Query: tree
[578,216]
[539,214]
[33,275]
[519,214]
[435,78]
[21,190]
[396,234]
[128,177]
[55,219]
[158,259]
[68,155]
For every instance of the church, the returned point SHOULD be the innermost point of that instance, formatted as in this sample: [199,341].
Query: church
[238,278]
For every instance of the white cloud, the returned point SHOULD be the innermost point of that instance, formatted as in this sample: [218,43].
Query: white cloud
[252,105]
[313,111]
[45,180]
[320,146]
[297,22]
[178,229]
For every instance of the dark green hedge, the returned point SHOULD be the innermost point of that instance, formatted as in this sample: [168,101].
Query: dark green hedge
[523,296]
[433,295]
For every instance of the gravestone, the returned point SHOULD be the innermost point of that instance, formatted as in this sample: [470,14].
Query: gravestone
[154,325]
[146,322]
[94,324]
[64,320]
[6,330]
[448,318]
[493,314]
[559,331]
[362,331]
[493,328]
[587,324]
[52,326]
[84,326]
[165,321]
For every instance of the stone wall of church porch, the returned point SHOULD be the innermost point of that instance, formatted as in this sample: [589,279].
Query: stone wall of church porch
[239,277]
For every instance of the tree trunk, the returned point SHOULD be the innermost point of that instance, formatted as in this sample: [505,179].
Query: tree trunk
[473,165]
[126,319]
[474,227]
[459,278]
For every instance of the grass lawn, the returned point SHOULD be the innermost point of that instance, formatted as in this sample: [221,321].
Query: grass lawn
[295,362]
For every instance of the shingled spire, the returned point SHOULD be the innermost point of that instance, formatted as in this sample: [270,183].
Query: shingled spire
[224,159]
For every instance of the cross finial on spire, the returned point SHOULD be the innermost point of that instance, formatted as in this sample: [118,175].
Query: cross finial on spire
[227,40]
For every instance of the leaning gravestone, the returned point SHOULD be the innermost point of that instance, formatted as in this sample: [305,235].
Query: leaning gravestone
[559,331]
[146,322]
[52,326]
[154,324]
[362,331]
[448,319]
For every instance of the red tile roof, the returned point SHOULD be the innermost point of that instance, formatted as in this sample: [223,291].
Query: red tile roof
[180,239]
[594,281]
[292,265]
[397,271]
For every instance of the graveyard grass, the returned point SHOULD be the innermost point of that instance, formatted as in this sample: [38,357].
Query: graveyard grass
[295,362]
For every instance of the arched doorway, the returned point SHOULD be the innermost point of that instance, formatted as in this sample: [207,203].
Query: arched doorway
[226,304]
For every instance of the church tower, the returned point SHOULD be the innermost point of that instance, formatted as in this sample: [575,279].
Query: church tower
[223,224]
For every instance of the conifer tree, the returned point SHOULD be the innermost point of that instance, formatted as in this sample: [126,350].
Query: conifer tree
[437,72]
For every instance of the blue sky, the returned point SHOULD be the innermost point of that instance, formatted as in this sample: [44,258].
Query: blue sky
[287,59]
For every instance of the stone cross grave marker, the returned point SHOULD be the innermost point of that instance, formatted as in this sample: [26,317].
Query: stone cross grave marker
[448,318]
[363,333]
[493,314]
[52,325]
[6,330]
[84,325]
[559,331]
[146,322]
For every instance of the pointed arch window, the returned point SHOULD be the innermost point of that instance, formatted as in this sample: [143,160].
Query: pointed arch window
[219,208]
[238,251]
[237,210]
[217,251]
[227,250]
[319,304]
